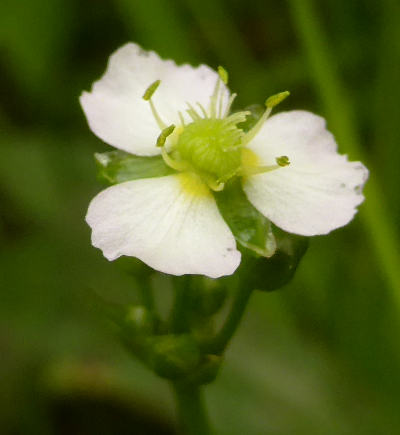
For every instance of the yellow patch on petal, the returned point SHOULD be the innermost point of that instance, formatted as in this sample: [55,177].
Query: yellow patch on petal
[249,159]
[193,185]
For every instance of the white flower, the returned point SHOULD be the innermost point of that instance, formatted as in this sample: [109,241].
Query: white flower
[172,223]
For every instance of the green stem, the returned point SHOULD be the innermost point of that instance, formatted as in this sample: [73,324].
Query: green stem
[178,322]
[191,411]
[218,344]
[147,294]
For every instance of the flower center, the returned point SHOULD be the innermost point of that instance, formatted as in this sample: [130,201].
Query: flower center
[211,145]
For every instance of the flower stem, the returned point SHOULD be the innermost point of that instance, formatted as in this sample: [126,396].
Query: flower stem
[147,294]
[191,411]
[178,321]
[218,344]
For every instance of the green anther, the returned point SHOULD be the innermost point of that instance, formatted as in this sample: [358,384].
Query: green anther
[164,134]
[223,74]
[276,99]
[283,161]
[150,90]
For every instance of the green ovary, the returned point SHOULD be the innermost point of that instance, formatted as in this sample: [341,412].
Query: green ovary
[211,146]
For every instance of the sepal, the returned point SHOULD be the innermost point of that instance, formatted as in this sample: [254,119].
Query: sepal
[268,274]
[174,356]
[118,166]
[251,229]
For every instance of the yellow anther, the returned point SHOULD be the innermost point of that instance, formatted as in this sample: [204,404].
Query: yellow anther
[276,99]
[150,90]
[164,134]
[223,74]
[282,161]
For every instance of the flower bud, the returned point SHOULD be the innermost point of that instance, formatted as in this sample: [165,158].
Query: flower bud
[174,356]
[139,320]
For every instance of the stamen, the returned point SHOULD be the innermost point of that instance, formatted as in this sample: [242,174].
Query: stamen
[246,171]
[223,73]
[192,112]
[159,121]
[221,100]
[236,118]
[181,118]
[150,90]
[282,161]
[164,134]
[174,164]
[230,102]
[223,180]
[214,185]
[274,100]
[203,110]
[253,131]
[270,104]
[147,97]
[214,98]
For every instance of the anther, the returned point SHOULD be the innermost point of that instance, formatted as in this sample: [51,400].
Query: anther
[282,161]
[274,100]
[150,90]
[223,74]
[270,104]
[164,134]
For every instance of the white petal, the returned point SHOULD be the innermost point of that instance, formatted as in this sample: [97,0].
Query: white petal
[116,111]
[320,189]
[171,223]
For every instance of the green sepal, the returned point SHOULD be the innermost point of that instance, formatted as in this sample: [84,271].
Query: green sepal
[207,370]
[118,166]
[251,229]
[268,274]
[174,356]
[139,321]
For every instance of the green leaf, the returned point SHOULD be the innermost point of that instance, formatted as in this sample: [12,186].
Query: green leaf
[118,166]
[251,229]
[268,274]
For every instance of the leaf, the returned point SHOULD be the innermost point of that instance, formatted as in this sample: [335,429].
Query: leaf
[251,229]
[118,166]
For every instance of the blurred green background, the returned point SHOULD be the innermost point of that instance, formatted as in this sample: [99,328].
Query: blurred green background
[321,356]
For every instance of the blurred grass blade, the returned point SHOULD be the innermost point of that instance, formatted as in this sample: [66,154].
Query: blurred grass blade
[386,98]
[159,26]
[216,23]
[374,214]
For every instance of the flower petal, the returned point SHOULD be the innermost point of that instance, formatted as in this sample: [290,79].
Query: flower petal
[171,223]
[320,189]
[116,112]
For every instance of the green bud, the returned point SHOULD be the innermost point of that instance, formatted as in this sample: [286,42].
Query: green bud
[276,99]
[150,90]
[207,370]
[139,320]
[174,356]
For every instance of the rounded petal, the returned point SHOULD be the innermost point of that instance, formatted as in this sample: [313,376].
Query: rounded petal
[116,112]
[171,223]
[320,189]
